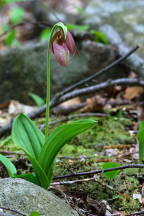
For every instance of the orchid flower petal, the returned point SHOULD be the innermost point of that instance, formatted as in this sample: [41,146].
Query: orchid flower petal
[70,43]
[61,53]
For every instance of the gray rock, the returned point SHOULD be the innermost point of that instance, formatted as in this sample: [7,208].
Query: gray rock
[24,197]
[126,17]
[23,70]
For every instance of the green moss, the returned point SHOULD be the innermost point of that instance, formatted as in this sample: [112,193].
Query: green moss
[110,131]
[107,131]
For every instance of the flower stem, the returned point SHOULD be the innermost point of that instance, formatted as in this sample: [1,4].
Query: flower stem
[64,29]
[47,94]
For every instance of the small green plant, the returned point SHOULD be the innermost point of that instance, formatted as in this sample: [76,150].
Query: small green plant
[41,149]
[37,99]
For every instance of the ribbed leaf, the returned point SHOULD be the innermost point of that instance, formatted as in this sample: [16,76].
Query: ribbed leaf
[9,165]
[27,136]
[40,173]
[40,177]
[141,141]
[57,139]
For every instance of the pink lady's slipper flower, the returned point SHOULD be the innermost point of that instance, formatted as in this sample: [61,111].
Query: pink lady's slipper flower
[62,47]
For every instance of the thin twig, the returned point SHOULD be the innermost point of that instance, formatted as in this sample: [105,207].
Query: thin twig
[81,181]
[99,73]
[73,182]
[92,172]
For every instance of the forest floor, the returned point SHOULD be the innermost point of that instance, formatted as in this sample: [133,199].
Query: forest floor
[111,140]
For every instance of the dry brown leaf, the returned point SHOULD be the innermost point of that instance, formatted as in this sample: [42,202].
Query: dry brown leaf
[15,107]
[93,104]
[119,146]
[68,106]
[5,118]
[133,92]
[70,102]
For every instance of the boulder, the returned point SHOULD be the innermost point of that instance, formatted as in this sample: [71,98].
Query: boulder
[125,16]
[23,69]
[25,197]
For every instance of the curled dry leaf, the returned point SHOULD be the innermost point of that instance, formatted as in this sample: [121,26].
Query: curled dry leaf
[93,104]
[133,92]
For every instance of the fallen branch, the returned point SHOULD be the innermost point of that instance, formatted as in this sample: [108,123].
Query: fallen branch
[135,62]
[36,113]
[101,86]
[92,172]
[99,73]
[79,92]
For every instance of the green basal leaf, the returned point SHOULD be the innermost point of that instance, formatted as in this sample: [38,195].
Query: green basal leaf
[111,174]
[39,171]
[9,165]
[37,99]
[27,136]
[42,155]
[58,139]
[140,136]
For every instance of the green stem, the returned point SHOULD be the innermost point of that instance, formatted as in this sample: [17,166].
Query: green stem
[48,93]
[64,29]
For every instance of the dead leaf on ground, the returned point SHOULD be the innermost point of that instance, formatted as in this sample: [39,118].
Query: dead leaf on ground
[95,103]
[133,92]
[15,107]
